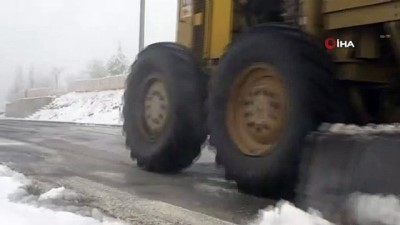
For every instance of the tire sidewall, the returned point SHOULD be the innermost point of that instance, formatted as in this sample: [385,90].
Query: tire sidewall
[276,50]
[158,61]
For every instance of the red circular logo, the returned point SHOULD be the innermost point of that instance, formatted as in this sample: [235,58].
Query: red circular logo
[330,43]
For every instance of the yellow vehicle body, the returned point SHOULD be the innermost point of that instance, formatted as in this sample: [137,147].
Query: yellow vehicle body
[208,26]
[215,24]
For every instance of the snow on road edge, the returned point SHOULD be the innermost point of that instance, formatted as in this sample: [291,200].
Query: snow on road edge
[286,213]
[374,209]
[361,209]
[21,204]
[19,207]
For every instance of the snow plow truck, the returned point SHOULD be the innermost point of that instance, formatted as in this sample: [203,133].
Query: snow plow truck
[273,83]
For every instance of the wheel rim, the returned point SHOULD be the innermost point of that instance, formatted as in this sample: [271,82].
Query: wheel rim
[257,110]
[156,106]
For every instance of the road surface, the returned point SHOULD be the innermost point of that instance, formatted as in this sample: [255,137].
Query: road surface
[93,160]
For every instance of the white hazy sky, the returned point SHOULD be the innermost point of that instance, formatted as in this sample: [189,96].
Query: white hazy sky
[69,33]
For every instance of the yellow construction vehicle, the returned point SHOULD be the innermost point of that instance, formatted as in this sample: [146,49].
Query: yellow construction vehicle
[258,76]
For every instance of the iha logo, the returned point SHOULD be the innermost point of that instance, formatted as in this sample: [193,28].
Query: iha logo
[332,43]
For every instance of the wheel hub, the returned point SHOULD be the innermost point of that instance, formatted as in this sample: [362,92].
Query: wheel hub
[156,106]
[257,109]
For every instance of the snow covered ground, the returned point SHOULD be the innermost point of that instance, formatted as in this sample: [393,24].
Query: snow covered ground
[361,209]
[87,107]
[58,206]
[286,214]
[351,129]
[18,206]
[21,204]
[375,209]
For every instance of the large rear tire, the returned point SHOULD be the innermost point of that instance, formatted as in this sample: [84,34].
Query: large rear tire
[295,80]
[163,109]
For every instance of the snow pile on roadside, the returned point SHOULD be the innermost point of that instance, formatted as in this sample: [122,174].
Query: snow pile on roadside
[18,207]
[361,209]
[351,129]
[287,214]
[89,107]
[58,193]
[374,209]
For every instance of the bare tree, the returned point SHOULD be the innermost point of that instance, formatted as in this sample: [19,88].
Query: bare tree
[56,72]
[19,79]
[31,77]
[19,82]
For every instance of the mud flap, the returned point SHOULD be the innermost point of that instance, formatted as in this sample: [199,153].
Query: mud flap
[336,165]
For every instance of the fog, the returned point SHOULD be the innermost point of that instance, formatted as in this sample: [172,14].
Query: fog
[43,34]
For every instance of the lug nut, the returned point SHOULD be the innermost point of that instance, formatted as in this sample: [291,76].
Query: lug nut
[248,114]
[265,126]
[274,105]
[156,121]
[274,117]
[246,103]
[251,124]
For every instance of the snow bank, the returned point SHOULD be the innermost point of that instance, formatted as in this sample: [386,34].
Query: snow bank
[287,214]
[13,209]
[351,129]
[86,107]
[362,209]
[374,209]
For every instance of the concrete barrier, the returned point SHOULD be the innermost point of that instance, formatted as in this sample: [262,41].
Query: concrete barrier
[102,84]
[36,93]
[32,100]
[117,82]
[27,106]
[39,92]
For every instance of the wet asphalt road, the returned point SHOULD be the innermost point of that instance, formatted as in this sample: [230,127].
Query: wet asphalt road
[48,150]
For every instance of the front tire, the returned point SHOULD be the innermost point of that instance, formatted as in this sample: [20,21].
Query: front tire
[163,108]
